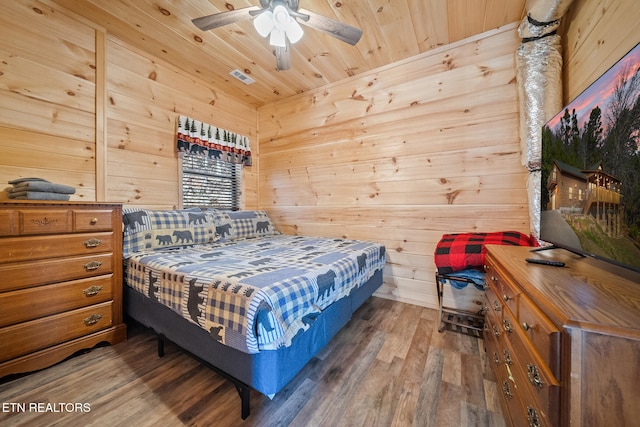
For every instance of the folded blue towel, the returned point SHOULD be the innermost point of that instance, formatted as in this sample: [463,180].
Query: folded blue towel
[471,276]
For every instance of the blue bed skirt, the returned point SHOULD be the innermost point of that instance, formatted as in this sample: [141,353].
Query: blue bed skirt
[267,371]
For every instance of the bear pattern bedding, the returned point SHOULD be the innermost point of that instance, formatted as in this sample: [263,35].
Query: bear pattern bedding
[253,292]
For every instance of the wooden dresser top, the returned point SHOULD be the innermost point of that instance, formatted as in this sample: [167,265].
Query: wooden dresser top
[12,203]
[586,293]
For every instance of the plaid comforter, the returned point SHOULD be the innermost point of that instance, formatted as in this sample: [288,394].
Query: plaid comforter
[456,252]
[255,294]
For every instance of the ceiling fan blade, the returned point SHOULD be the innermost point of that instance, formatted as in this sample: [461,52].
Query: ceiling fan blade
[337,29]
[216,20]
[283,57]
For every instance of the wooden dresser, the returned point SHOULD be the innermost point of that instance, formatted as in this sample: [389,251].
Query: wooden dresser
[60,281]
[564,342]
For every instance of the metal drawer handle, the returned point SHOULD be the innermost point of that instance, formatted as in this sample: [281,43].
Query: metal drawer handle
[92,320]
[507,357]
[526,326]
[496,331]
[532,417]
[506,389]
[505,297]
[92,265]
[92,243]
[507,325]
[534,375]
[94,221]
[496,358]
[497,306]
[92,290]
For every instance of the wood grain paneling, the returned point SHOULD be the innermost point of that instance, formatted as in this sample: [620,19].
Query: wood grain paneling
[597,34]
[144,97]
[112,138]
[392,31]
[402,156]
[47,97]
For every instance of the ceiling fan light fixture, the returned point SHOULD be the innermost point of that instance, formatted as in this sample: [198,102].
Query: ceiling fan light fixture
[280,19]
[280,16]
[263,23]
[294,31]
[277,38]
[279,24]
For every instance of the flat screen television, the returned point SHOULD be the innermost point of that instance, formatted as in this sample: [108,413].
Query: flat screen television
[590,169]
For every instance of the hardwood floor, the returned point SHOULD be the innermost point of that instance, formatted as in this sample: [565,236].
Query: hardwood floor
[388,367]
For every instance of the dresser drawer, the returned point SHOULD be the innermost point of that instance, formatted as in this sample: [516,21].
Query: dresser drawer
[529,371]
[489,320]
[510,296]
[542,334]
[493,301]
[16,249]
[528,414]
[41,301]
[28,337]
[494,346]
[30,221]
[533,408]
[533,411]
[507,294]
[28,274]
[45,221]
[9,222]
[492,343]
[93,220]
[512,403]
[492,316]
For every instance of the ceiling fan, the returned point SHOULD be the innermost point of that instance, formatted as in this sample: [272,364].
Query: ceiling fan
[280,20]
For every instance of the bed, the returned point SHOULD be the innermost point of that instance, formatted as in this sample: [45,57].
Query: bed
[252,303]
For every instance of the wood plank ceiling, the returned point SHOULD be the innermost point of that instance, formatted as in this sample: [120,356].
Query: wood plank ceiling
[392,31]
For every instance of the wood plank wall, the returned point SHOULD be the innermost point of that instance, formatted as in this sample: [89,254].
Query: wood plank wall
[59,123]
[47,97]
[401,156]
[597,33]
[144,96]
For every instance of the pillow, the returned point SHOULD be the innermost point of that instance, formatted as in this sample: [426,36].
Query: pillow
[456,252]
[147,229]
[235,225]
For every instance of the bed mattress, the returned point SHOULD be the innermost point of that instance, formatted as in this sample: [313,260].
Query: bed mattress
[255,294]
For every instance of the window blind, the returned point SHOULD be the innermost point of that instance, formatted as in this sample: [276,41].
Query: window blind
[207,182]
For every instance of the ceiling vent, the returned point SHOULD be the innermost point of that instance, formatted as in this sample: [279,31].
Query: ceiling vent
[242,77]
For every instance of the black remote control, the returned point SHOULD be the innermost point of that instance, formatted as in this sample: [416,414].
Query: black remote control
[545,262]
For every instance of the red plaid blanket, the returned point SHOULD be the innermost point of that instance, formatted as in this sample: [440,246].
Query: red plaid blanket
[456,252]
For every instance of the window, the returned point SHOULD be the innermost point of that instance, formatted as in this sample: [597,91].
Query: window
[210,182]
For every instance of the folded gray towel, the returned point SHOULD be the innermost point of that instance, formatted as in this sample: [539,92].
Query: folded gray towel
[38,195]
[20,180]
[48,187]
